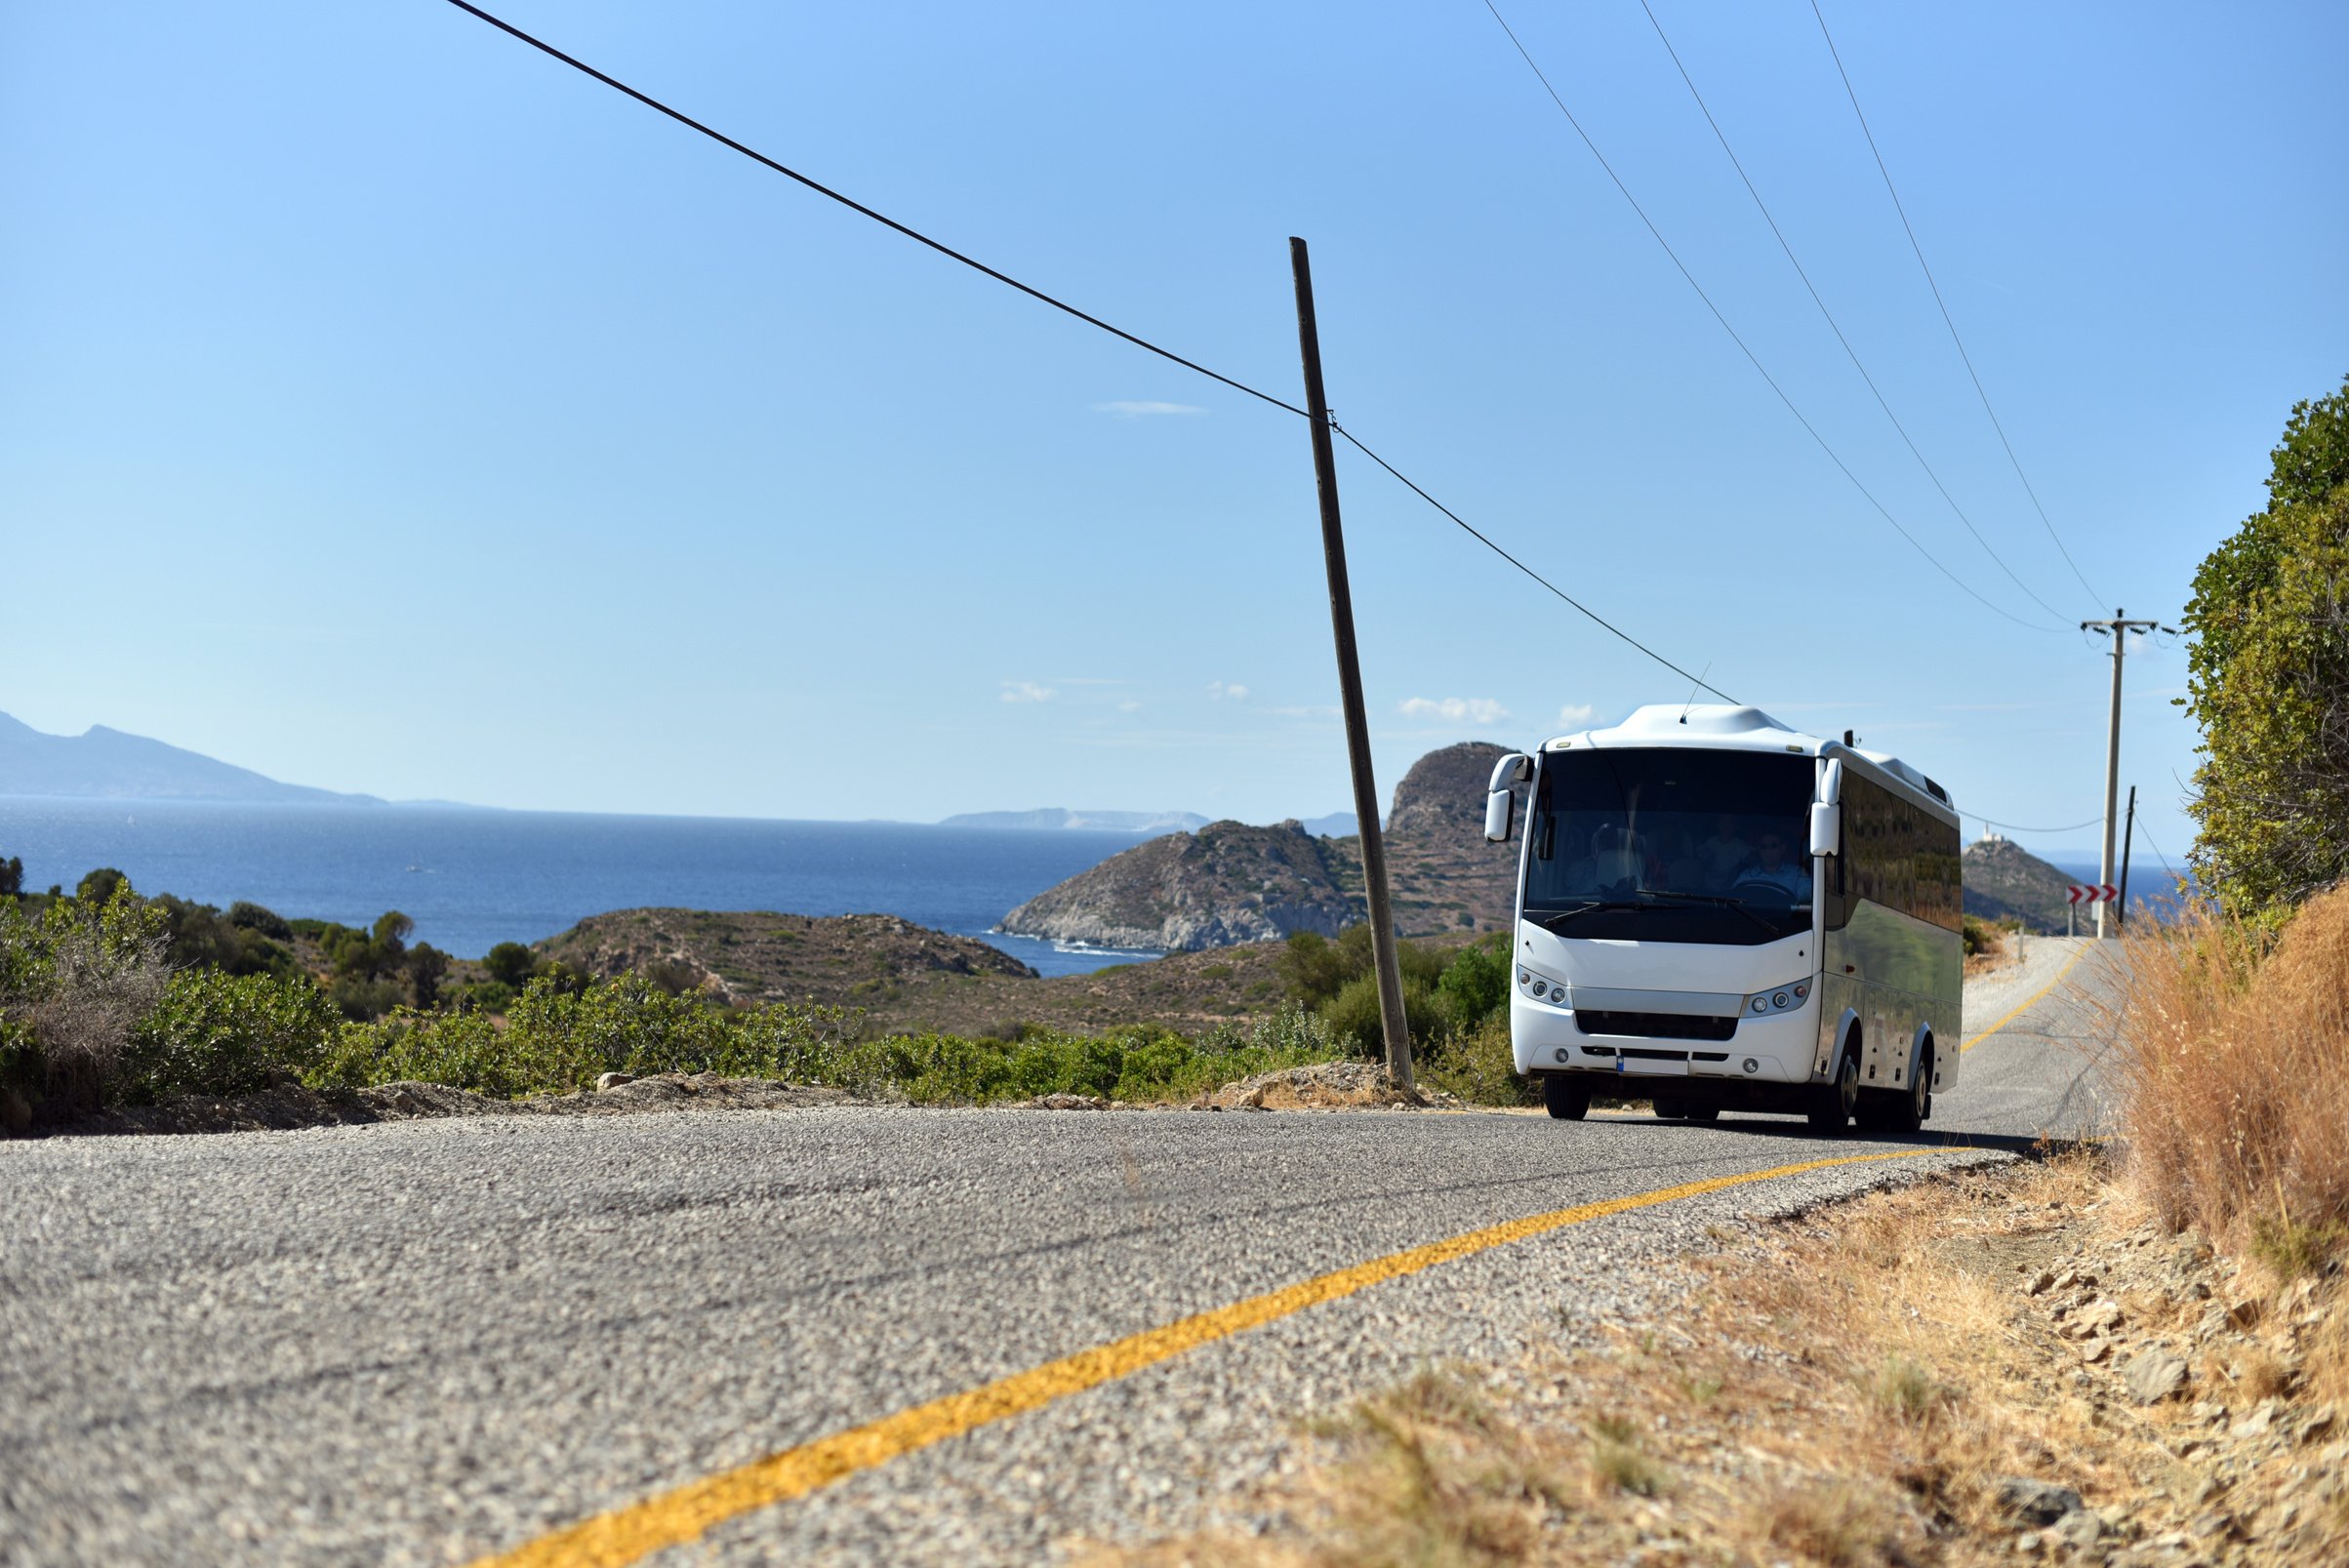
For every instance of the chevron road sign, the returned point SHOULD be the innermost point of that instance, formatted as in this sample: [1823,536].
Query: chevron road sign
[2094,892]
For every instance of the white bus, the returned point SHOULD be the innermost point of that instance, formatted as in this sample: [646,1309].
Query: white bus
[1716,912]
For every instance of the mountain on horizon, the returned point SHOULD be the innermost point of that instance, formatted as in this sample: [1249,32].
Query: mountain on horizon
[105,764]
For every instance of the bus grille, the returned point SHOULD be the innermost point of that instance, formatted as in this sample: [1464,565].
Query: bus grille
[1655,1025]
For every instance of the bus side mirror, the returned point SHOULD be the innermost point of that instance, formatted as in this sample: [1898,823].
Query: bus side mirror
[1499,808]
[1500,799]
[1826,829]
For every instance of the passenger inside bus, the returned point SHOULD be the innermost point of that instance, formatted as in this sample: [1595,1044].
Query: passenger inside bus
[1724,854]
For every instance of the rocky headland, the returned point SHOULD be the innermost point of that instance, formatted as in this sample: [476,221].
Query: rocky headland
[2004,881]
[1230,883]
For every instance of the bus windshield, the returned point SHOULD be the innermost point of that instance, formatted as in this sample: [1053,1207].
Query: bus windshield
[1670,844]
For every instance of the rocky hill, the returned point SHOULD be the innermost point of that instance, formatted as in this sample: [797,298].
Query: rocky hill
[904,977]
[2005,881]
[740,959]
[1226,884]
[1230,883]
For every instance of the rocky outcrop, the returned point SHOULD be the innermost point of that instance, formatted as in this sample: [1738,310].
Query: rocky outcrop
[742,958]
[2005,881]
[1226,884]
[1230,883]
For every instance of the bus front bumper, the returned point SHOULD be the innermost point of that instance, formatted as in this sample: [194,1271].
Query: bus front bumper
[1773,1050]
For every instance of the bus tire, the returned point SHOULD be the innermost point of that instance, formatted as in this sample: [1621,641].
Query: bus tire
[1565,1099]
[1902,1110]
[1702,1112]
[1831,1113]
[1670,1107]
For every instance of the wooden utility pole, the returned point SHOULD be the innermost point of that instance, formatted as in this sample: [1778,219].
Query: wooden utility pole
[2128,835]
[2118,628]
[1392,1022]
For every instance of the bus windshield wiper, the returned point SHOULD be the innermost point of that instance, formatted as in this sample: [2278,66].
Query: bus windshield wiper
[1721,899]
[1557,917]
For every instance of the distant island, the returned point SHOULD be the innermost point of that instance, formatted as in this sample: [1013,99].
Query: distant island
[1148,823]
[105,764]
[1114,821]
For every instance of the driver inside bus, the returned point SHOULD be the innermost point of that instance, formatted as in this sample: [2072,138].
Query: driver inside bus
[1774,868]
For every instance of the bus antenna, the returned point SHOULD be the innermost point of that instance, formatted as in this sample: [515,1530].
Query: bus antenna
[1693,689]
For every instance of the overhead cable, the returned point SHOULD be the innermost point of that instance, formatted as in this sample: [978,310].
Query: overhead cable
[855,206]
[1829,317]
[1752,358]
[1480,539]
[1946,318]
[1087,318]
[2018,827]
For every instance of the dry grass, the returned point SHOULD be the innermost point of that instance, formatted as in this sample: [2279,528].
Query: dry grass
[1848,1392]
[1845,1396]
[2232,1063]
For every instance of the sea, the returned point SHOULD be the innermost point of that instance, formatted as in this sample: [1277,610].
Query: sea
[470,879]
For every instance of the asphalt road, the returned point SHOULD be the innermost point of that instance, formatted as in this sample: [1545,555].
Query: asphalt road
[427,1342]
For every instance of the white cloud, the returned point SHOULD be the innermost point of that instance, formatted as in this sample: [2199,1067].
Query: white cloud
[1235,692]
[1027,691]
[1129,410]
[1475,709]
[1129,705]
[1574,715]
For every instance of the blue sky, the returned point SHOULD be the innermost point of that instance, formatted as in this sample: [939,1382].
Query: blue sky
[386,408]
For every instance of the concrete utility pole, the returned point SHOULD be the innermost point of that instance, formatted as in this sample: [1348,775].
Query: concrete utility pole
[2118,628]
[1392,1022]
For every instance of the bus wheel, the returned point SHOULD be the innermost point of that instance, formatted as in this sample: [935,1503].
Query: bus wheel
[1565,1099]
[1669,1107]
[1832,1114]
[1909,1112]
[1902,1110]
[1702,1112]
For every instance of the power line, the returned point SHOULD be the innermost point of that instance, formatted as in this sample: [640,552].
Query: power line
[1088,318]
[1751,358]
[1946,319]
[1480,539]
[1832,324]
[855,206]
[2167,870]
[2017,828]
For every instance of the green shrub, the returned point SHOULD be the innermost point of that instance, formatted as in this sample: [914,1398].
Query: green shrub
[76,981]
[463,1049]
[509,963]
[222,1035]
[1475,985]
[361,997]
[100,885]
[255,917]
[1477,1065]
[1354,1022]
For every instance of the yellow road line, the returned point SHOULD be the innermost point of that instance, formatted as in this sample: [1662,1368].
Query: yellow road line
[625,1535]
[2029,1001]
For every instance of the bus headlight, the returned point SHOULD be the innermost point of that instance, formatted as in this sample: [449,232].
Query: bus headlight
[1541,988]
[1784,998]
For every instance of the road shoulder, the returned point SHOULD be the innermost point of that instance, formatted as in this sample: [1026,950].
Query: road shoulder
[2049,1375]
